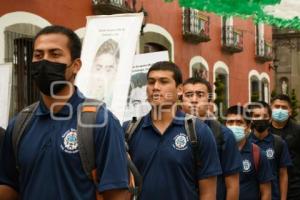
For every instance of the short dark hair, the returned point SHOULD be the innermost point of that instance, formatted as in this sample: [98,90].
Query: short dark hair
[198,80]
[74,41]
[259,104]
[167,66]
[239,110]
[282,97]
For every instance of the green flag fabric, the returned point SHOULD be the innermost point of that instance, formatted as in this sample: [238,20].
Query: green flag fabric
[280,13]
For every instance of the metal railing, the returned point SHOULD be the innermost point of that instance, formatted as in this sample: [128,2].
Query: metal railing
[264,49]
[123,4]
[232,37]
[196,24]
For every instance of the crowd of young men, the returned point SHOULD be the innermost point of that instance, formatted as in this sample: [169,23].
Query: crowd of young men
[179,147]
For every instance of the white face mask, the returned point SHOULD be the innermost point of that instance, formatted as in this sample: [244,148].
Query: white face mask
[280,115]
[238,132]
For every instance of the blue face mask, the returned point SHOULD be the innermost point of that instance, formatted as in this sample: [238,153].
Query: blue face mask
[238,132]
[280,115]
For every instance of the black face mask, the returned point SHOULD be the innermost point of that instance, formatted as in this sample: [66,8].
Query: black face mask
[45,73]
[260,125]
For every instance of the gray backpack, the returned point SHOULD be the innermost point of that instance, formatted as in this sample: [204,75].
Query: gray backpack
[87,115]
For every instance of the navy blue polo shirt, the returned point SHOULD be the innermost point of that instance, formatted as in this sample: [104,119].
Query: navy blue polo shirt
[267,144]
[230,159]
[50,165]
[166,160]
[249,177]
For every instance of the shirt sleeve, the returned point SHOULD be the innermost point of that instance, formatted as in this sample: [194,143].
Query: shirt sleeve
[285,159]
[210,164]
[231,160]
[110,152]
[264,169]
[8,171]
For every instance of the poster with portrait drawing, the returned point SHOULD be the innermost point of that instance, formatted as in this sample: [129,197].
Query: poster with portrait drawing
[5,92]
[107,55]
[137,105]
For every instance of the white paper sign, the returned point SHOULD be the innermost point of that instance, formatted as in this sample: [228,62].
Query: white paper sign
[5,92]
[137,105]
[107,56]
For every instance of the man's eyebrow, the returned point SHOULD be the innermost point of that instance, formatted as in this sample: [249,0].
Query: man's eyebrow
[160,78]
[196,91]
[37,50]
[54,49]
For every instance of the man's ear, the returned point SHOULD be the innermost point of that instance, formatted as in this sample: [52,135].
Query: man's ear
[76,66]
[179,90]
[248,129]
[290,111]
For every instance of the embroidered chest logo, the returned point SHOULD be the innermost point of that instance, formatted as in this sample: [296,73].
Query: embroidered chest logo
[70,141]
[180,141]
[270,153]
[246,165]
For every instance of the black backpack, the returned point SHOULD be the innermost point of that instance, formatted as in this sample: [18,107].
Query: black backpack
[215,127]
[87,117]
[278,148]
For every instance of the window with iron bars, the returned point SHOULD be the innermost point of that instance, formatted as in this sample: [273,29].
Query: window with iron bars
[194,21]
[9,37]
[18,50]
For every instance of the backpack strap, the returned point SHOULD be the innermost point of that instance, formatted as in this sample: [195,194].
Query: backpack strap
[86,121]
[278,148]
[85,127]
[132,126]
[256,156]
[190,128]
[137,177]
[216,129]
[21,122]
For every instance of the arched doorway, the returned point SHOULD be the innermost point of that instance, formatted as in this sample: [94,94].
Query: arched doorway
[156,38]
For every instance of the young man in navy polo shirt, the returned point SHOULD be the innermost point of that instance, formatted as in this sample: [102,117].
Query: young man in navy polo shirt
[255,183]
[48,158]
[260,118]
[160,147]
[196,98]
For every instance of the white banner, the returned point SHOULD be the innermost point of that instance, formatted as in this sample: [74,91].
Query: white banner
[137,105]
[107,56]
[5,92]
